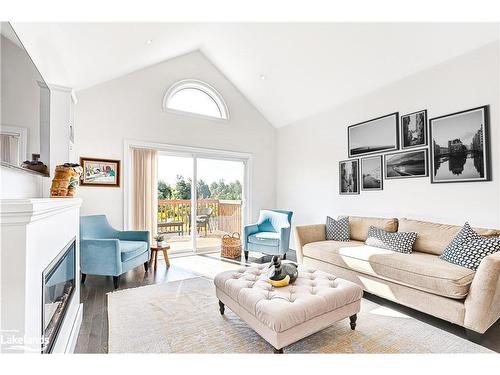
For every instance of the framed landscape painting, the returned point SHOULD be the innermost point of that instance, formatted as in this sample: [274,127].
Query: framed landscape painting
[414,130]
[100,172]
[374,136]
[349,177]
[407,164]
[371,173]
[460,146]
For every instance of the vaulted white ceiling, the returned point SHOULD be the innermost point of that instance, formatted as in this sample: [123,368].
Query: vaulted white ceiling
[288,71]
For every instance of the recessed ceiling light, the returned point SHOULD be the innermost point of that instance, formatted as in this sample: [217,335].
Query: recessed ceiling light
[149,41]
[263,77]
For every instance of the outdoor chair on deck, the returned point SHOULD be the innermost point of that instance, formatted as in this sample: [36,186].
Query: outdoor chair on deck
[202,219]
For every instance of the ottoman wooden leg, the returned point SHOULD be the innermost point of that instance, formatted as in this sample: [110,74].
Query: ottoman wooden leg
[278,351]
[353,319]
[221,308]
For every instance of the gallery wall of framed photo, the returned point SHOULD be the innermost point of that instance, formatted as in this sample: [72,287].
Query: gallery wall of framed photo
[447,148]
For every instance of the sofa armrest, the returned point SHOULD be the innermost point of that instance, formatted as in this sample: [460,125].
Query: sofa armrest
[482,305]
[305,234]
[100,257]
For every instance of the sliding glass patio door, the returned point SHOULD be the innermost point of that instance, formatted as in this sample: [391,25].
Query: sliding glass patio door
[175,176]
[219,207]
[200,199]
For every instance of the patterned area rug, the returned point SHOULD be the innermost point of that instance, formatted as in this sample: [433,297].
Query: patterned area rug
[183,317]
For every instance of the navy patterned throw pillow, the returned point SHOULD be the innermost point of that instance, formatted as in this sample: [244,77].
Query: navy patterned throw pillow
[466,234]
[468,248]
[402,242]
[337,230]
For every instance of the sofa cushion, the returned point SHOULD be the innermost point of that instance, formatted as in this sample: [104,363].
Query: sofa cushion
[433,238]
[131,249]
[328,246]
[265,238]
[359,226]
[401,242]
[419,270]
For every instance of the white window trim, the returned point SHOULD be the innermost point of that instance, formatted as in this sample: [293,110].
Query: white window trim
[198,85]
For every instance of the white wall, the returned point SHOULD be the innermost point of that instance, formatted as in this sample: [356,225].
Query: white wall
[308,151]
[130,107]
[17,184]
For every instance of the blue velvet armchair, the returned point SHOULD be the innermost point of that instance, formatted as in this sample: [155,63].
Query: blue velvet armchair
[110,252]
[271,234]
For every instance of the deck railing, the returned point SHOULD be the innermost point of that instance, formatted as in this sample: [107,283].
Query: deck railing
[225,216]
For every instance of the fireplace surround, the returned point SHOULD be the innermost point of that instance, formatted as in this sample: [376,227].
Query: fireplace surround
[40,245]
[58,283]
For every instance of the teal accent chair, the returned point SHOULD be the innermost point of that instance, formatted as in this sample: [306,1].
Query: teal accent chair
[271,234]
[110,252]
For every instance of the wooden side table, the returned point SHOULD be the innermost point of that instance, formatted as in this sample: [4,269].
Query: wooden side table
[154,253]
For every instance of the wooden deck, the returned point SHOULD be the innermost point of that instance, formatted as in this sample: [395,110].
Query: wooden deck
[174,222]
[226,215]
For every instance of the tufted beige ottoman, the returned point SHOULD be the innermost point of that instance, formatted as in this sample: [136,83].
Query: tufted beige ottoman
[285,315]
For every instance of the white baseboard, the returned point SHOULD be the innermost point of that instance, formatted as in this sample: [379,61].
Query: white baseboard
[70,347]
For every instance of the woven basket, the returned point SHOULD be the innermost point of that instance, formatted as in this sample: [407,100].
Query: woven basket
[231,246]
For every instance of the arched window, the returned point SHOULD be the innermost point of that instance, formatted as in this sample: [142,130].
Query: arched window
[195,97]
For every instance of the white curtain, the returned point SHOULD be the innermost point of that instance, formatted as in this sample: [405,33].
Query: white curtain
[145,190]
[9,149]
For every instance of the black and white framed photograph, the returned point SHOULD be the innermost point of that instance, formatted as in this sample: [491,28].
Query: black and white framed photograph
[374,136]
[349,177]
[460,146]
[406,164]
[414,129]
[371,173]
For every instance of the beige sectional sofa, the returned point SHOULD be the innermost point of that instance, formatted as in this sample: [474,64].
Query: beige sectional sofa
[420,280]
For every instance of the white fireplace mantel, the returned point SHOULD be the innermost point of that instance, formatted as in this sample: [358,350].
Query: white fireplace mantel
[33,232]
[24,211]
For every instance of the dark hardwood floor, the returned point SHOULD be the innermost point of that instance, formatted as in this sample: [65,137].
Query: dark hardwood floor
[93,337]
